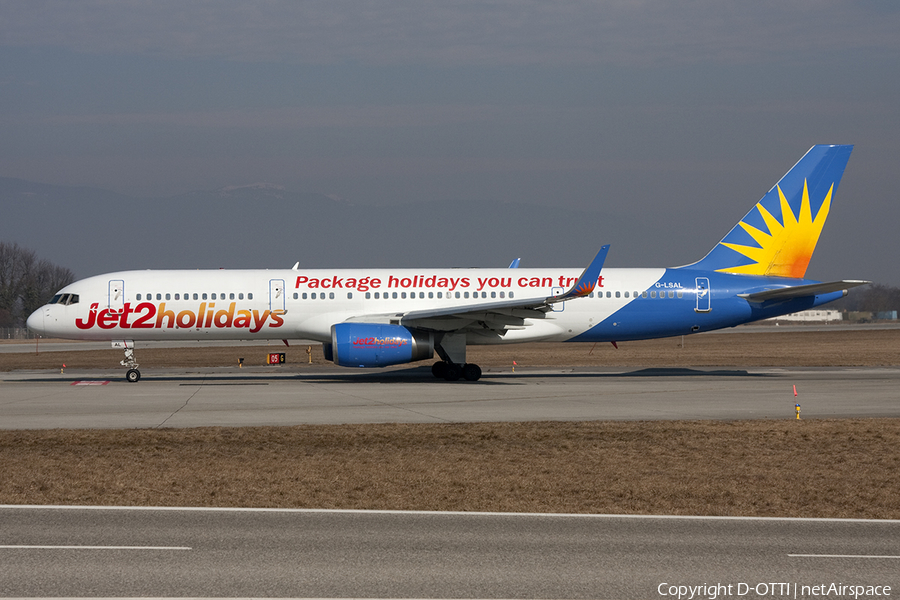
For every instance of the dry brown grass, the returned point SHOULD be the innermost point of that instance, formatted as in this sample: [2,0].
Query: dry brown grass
[826,468]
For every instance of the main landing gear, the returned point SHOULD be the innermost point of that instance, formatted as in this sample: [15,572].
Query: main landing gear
[453,372]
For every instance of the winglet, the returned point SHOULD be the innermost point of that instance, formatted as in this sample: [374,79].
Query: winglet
[588,280]
[515,263]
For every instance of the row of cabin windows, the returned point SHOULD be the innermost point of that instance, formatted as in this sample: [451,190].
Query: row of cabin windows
[644,294]
[401,295]
[73,298]
[503,295]
[196,296]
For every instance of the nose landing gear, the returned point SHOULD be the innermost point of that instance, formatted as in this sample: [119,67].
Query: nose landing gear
[132,375]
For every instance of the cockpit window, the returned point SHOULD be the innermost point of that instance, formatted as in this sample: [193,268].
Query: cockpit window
[64,299]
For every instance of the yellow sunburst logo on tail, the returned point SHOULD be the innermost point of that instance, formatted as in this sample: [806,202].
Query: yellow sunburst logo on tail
[784,251]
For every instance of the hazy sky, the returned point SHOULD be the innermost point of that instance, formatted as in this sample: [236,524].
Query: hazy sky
[682,112]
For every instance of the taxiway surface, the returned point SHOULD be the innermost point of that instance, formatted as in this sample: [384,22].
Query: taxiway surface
[226,397]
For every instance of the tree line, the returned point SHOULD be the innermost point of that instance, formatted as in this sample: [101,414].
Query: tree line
[26,283]
[869,298]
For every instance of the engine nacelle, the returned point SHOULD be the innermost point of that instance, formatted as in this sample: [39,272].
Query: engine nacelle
[376,345]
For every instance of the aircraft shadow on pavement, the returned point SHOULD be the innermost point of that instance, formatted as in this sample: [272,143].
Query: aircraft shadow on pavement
[399,376]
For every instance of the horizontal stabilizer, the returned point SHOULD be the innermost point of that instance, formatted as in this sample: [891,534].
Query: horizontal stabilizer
[801,291]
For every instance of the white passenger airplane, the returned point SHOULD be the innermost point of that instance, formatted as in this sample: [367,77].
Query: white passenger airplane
[379,317]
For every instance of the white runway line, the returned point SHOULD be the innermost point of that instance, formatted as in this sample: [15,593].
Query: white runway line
[840,556]
[359,511]
[25,547]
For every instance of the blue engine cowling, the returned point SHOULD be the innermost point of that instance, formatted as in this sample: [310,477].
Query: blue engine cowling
[376,345]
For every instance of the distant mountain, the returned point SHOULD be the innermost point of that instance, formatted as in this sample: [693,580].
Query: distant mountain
[265,226]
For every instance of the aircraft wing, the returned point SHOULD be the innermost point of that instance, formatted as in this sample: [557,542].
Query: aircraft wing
[800,291]
[496,316]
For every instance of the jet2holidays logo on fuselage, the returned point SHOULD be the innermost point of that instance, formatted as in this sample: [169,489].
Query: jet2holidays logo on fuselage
[147,315]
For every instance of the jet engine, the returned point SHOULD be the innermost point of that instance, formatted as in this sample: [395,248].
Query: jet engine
[377,345]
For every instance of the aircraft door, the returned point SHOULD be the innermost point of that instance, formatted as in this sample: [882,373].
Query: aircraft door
[276,294]
[703,293]
[116,300]
[557,306]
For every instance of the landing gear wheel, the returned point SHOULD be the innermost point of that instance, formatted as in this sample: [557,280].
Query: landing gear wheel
[133,376]
[439,369]
[453,372]
[471,372]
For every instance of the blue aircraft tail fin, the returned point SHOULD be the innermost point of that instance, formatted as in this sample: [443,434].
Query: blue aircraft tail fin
[777,237]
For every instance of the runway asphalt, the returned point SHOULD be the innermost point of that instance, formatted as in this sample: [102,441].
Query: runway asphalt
[228,397]
[80,552]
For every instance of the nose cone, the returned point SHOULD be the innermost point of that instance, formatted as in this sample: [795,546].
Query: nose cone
[35,322]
